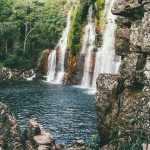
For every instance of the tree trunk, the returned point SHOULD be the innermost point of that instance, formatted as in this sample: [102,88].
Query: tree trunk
[27,35]
[6,49]
[25,38]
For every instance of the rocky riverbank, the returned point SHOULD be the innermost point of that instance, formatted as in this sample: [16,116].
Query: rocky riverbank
[8,76]
[33,138]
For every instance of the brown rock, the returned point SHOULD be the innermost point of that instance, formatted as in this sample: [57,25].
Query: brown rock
[37,137]
[125,7]
[77,145]
[106,85]
[59,147]
[43,139]
[122,41]
[43,63]
[10,137]
[140,35]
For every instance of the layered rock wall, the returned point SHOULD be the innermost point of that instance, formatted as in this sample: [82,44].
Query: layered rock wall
[123,101]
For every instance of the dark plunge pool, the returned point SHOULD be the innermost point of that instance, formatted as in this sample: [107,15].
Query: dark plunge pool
[66,112]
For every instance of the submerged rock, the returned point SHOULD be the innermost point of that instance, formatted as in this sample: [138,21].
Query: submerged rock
[38,137]
[78,145]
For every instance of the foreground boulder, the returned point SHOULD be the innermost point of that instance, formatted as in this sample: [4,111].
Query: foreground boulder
[37,137]
[77,145]
[10,138]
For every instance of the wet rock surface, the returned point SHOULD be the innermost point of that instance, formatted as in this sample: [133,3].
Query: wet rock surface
[8,76]
[42,66]
[37,137]
[77,145]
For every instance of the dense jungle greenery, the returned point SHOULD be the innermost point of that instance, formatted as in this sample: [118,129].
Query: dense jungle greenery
[27,27]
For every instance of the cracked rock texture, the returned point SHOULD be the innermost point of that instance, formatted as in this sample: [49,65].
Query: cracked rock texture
[119,96]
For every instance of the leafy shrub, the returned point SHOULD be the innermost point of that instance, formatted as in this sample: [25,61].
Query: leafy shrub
[18,63]
[1,66]
[94,143]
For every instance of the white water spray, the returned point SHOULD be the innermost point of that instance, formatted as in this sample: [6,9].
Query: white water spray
[63,48]
[51,66]
[106,59]
[87,49]
[54,75]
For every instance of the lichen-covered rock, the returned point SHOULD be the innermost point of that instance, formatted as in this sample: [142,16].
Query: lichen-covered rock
[128,68]
[140,35]
[125,7]
[146,74]
[10,138]
[10,75]
[122,41]
[104,97]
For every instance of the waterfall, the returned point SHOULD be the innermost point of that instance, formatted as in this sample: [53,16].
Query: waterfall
[51,66]
[56,70]
[87,49]
[63,48]
[106,59]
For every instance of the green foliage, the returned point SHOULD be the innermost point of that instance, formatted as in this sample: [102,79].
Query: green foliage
[1,66]
[94,143]
[40,23]
[17,62]
[79,15]
[119,21]
[138,15]
[100,5]
[132,137]
[75,31]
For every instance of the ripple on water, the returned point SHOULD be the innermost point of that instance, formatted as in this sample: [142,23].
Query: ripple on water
[67,112]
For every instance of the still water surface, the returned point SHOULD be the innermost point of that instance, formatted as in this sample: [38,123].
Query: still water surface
[66,112]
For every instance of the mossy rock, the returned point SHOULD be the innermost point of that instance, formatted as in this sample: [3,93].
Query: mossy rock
[42,64]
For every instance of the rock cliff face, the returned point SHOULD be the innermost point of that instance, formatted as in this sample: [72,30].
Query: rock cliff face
[123,101]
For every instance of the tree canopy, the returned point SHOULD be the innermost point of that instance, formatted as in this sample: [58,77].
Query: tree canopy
[28,27]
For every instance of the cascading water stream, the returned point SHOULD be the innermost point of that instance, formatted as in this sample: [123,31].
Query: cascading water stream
[106,59]
[63,47]
[87,49]
[54,75]
[51,66]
